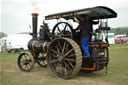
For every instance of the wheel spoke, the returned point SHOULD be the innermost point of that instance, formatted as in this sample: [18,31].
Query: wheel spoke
[41,62]
[67,66]
[58,69]
[65,70]
[29,64]
[58,29]
[22,62]
[59,45]
[63,47]
[54,56]
[26,57]
[56,65]
[21,59]
[70,64]
[25,67]
[66,47]
[64,29]
[57,49]
[62,69]
[44,62]
[54,61]
[70,60]
[68,52]
[71,55]
[54,51]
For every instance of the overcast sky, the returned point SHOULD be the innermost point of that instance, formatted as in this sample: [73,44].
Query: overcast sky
[16,14]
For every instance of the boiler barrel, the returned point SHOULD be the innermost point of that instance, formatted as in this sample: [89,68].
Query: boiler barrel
[38,46]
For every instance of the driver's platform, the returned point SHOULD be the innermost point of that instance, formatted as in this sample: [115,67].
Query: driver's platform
[98,44]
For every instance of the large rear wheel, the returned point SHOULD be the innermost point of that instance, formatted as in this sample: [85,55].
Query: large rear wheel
[64,58]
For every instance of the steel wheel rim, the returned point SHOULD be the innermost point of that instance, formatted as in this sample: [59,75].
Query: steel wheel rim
[61,67]
[25,62]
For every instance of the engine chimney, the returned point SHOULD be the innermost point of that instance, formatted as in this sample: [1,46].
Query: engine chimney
[34,24]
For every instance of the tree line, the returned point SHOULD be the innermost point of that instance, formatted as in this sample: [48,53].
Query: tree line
[2,34]
[119,30]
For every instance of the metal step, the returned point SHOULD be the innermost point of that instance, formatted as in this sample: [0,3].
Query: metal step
[101,61]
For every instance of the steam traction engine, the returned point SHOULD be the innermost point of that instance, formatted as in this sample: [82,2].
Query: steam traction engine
[60,49]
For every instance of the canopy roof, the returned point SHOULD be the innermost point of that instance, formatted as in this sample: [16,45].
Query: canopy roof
[99,12]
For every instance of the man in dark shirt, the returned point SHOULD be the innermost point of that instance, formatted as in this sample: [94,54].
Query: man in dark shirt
[85,34]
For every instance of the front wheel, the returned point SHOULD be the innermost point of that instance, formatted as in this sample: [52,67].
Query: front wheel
[25,62]
[41,60]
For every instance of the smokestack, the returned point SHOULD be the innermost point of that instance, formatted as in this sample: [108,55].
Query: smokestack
[34,24]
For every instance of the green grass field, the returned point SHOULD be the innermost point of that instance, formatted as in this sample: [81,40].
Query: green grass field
[117,72]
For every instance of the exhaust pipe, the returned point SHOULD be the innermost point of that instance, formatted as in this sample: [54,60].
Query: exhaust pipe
[34,24]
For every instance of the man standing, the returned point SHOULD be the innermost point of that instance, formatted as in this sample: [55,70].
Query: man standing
[85,34]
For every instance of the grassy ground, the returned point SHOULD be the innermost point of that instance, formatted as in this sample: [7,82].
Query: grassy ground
[117,74]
